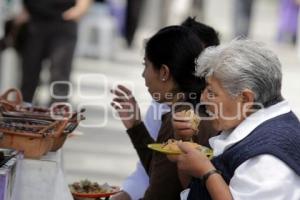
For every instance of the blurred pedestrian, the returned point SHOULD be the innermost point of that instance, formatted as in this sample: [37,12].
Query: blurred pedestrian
[242,17]
[288,21]
[132,18]
[198,9]
[51,35]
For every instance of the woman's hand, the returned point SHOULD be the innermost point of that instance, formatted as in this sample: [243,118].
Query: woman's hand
[126,106]
[22,17]
[120,196]
[76,12]
[182,126]
[297,2]
[192,161]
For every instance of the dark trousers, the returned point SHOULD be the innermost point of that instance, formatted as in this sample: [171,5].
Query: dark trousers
[133,12]
[52,40]
[242,17]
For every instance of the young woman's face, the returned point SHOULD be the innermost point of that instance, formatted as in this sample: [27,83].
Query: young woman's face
[152,81]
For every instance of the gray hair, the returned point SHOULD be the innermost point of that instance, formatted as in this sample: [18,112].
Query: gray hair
[244,64]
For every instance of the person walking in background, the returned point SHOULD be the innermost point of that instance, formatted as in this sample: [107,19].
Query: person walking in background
[51,34]
[132,18]
[288,21]
[242,17]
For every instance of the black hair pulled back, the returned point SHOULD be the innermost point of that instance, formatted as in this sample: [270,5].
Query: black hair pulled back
[178,47]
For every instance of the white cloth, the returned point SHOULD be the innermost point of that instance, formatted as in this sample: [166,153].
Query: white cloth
[42,179]
[262,177]
[137,183]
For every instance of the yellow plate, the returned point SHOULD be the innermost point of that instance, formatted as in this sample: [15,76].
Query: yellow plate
[159,147]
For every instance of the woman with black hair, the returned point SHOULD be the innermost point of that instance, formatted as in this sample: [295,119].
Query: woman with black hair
[169,76]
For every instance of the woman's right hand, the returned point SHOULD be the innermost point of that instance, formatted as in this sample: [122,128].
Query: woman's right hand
[192,161]
[126,106]
[182,126]
[120,196]
[76,12]
[22,17]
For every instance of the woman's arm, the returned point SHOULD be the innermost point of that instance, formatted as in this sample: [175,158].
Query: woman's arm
[76,12]
[22,17]
[217,187]
[129,112]
[140,138]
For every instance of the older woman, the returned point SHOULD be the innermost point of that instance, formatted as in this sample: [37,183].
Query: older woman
[257,154]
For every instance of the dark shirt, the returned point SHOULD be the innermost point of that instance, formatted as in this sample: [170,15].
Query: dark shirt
[164,183]
[47,9]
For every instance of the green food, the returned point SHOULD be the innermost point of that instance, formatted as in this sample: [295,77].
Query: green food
[88,187]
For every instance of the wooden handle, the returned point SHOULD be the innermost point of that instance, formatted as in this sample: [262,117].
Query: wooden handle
[19,97]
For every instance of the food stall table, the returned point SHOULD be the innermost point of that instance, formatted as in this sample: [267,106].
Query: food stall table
[43,179]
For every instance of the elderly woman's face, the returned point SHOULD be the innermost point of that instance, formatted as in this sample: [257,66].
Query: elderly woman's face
[225,110]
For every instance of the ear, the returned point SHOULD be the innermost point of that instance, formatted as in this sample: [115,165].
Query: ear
[164,73]
[247,98]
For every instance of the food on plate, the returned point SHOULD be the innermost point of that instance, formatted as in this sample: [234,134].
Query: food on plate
[171,145]
[193,118]
[88,187]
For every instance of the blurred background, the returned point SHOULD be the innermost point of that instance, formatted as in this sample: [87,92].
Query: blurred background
[109,51]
